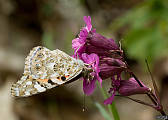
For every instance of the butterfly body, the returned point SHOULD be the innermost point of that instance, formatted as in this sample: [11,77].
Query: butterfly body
[45,69]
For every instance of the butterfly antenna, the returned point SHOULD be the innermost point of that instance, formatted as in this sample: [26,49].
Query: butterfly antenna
[84,105]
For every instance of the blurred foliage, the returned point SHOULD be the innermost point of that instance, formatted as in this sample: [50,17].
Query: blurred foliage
[145,30]
[47,40]
[68,40]
[104,113]
[48,8]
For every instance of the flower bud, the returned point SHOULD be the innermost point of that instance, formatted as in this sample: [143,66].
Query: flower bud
[113,61]
[107,70]
[131,87]
[100,41]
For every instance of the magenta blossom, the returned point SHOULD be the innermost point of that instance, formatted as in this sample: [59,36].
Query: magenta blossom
[110,67]
[125,88]
[104,59]
[93,61]
[107,50]
[78,44]
[88,23]
[115,84]
[102,42]
[88,41]
[90,46]
[131,87]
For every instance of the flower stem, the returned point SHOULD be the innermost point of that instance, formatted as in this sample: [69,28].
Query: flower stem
[150,95]
[112,108]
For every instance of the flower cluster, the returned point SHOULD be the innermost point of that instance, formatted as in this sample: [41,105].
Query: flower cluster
[105,57]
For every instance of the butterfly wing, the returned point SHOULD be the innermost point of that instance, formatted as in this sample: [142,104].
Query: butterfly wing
[45,69]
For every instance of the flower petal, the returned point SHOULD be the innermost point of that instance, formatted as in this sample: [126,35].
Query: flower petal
[107,71]
[131,87]
[93,60]
[100,41]
[99,79]
[83,34]
[101,51]
[79,46]
[113,62]
[88,86]
[87,20]
[109,100]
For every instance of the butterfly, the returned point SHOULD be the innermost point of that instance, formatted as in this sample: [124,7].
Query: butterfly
[45,69]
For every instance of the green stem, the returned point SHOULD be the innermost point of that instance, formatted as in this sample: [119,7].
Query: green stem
[112,108]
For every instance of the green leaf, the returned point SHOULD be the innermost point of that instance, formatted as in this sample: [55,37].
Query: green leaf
[113,109]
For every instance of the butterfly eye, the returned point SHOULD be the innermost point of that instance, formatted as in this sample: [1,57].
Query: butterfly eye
[63,78]
[39,48]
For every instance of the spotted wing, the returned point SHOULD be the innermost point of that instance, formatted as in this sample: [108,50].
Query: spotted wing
[45,69]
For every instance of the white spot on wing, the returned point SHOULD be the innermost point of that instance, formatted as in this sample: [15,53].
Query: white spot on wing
[27,93]
[50,65]
[39,88]
[54,75]
[17,93]
[59,82]
[29,83]
[16,89]
[20,82]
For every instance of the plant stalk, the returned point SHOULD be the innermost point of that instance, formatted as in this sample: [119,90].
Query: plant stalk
[150,95]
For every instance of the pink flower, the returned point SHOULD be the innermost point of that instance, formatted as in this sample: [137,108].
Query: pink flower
[88,23]
[93,61]
[109,100]
[88,41]
[115,84]
[106,60]
[92,47]
[88,86]
[78,44]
